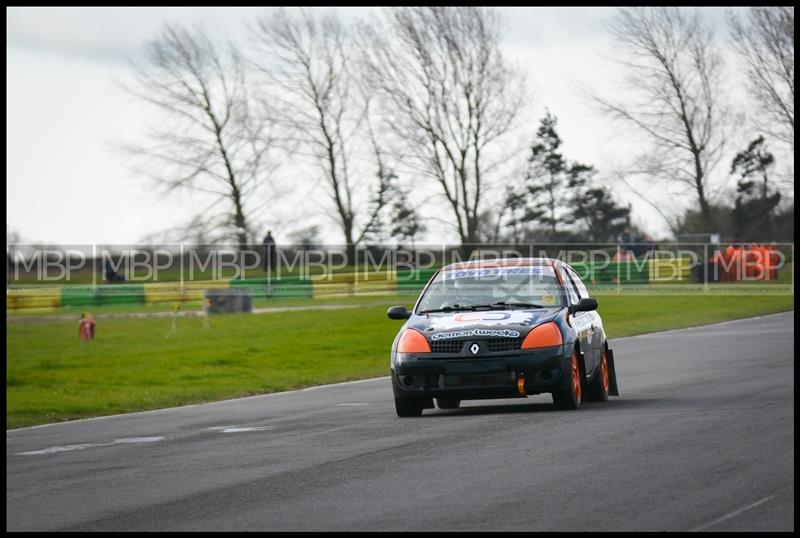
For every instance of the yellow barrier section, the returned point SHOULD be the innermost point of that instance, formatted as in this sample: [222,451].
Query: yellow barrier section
[328,289]
[175,292]
[378,282]
[370,286]
[340,278]
[47,297]
[670,270]
[352,283]
[378,276]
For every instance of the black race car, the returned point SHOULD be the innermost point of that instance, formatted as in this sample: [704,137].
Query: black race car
[501,329]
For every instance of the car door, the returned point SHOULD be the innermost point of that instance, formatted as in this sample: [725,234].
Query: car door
[595,322]
[580,321]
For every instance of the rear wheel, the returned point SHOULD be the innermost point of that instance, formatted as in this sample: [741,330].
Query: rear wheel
[448,403]
[570,398]
[408,407]
[598,391]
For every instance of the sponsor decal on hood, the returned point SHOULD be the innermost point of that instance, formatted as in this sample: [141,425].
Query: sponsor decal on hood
[500,333]
[464,319]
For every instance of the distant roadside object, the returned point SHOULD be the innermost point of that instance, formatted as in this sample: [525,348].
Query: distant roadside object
[86,327]
[229,301]
[503,328]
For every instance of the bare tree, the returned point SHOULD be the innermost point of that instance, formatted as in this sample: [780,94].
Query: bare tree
[198,231]
[449,96]
[206,140]
[765,42]
[674,74]
[307,65]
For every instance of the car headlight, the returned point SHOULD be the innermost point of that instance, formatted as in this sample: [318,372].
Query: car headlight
[545,335]
[412,341]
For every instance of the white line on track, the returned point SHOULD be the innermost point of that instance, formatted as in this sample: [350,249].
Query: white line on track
[241,429]
[732,514]
[82,446]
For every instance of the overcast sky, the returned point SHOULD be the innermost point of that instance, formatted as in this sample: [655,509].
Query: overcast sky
[67,184]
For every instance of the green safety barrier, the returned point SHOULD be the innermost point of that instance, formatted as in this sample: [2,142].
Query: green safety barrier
[409,280]
[627,272]
[119,294]
[102,295]
[77,296]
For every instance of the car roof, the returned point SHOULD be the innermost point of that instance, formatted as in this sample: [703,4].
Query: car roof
[501,262]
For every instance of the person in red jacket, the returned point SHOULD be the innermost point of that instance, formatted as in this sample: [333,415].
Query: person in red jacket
[86,327]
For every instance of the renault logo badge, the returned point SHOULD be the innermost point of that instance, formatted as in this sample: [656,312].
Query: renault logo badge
[474,348]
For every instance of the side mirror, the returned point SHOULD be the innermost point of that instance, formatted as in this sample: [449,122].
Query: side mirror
[398,312]
[586,304]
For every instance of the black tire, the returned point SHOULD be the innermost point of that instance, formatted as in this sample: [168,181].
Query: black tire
[448,403]
[570,397]
[598,389]
[408,407]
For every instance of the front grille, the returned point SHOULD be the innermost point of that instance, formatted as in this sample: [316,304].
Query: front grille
[476,380]
[447,346]
[504,344]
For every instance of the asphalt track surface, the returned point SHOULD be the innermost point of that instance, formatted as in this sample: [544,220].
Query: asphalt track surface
[702,438]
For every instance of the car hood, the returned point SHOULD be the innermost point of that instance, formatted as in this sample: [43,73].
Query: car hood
[480,324]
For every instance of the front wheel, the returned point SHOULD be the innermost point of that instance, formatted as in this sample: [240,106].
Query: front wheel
[570,398]
[408,407]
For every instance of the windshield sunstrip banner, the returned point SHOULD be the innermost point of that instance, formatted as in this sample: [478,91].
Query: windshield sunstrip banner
[489,272]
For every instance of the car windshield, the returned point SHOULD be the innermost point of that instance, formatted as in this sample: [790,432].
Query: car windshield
[492,287]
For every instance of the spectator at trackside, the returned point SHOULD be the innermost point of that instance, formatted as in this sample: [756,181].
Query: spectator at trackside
[86,327]
[626,239]
[270,252]
[650,244]
[110,274]
[645,245]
